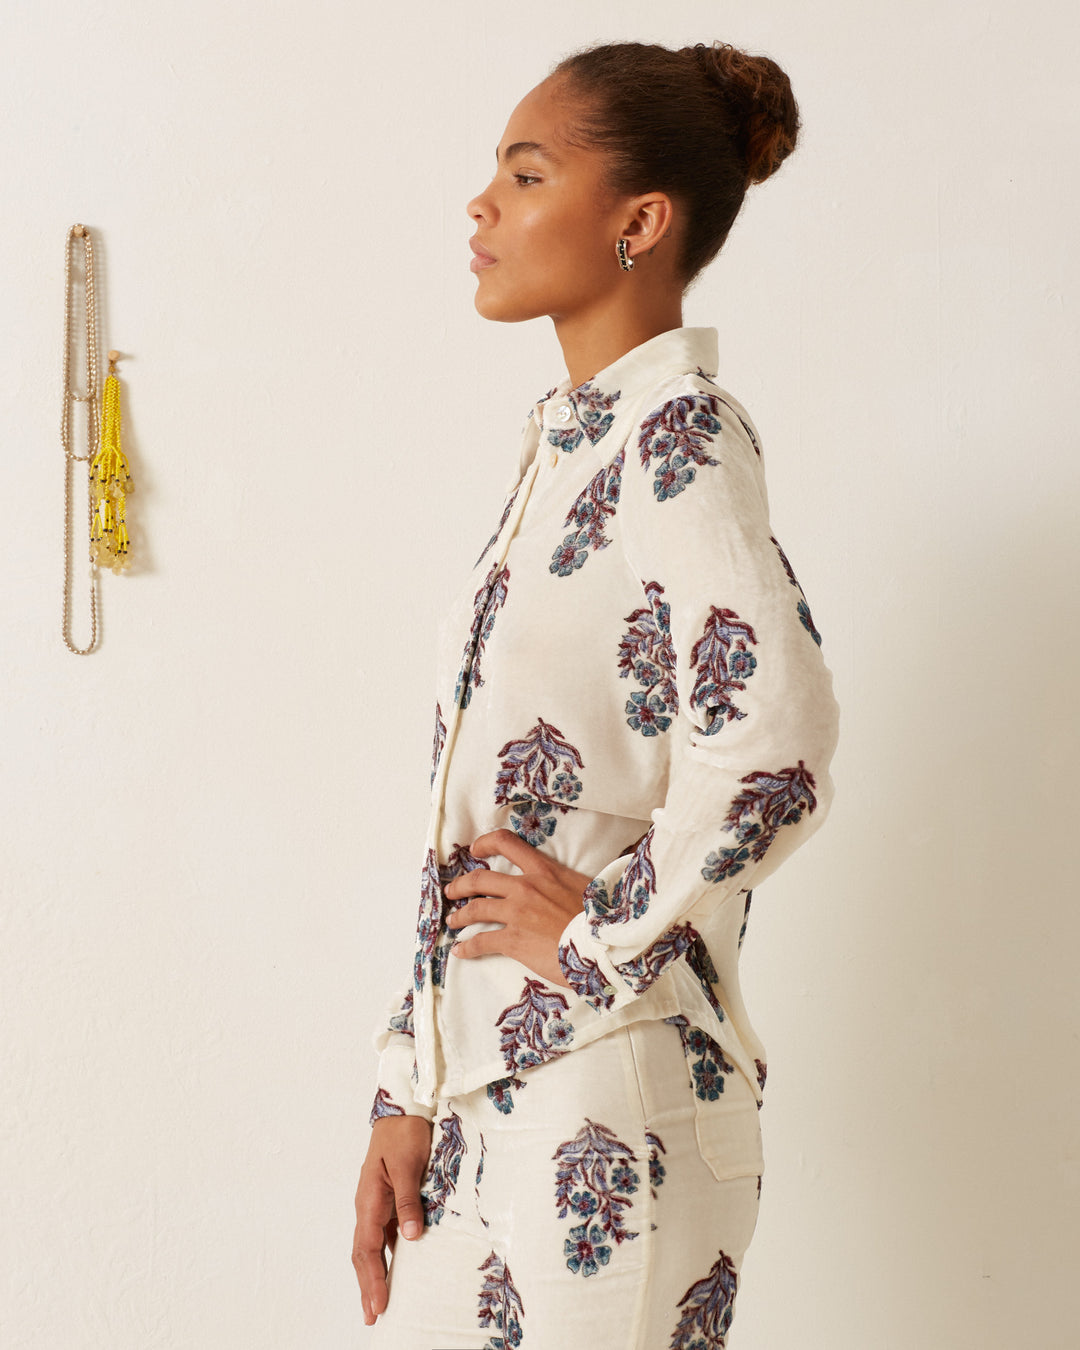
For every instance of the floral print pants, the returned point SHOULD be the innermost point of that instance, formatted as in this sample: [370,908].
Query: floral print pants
[604,1198]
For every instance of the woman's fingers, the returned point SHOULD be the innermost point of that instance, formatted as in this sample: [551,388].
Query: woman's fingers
[510,846]
[498,941]
[388,1200]
[480,881]
[374,1208]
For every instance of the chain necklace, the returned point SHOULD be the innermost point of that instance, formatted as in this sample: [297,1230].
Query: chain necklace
[90,399]
[108,479]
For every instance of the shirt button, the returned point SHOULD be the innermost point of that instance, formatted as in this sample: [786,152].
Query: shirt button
[564,414]
[554,458]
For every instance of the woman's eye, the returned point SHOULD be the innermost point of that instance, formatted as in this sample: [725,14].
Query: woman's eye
[525,178]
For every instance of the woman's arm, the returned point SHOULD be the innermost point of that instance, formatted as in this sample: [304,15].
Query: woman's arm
[741,679]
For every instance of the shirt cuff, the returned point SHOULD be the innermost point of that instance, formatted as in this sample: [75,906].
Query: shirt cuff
[395,1078]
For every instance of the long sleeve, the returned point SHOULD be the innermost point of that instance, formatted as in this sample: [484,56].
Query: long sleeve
[723,658]
[396,1074]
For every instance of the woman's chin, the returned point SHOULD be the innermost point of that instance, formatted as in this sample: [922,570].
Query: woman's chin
[501,309]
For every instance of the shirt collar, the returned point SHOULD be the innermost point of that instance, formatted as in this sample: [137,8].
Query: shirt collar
[597,402]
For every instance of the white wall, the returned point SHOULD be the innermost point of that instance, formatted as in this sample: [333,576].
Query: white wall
[211,827]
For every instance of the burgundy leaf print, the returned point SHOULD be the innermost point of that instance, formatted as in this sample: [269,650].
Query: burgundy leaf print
[708,1307]
[594,1179]
[402,1020]
[585,977]
[488,600]
[384,1105]
[588,516]
[784,559]
[631,894]
[461,860]
[647,653]
[724,663]
[500,1305]
[756,815]
[643,970]
[675,439]
[539,768]
[594,415]
[533,1029]
[443,1168]
[429,921]
[594,409]
[433,938]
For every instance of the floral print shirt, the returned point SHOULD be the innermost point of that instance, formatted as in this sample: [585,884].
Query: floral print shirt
[630,679]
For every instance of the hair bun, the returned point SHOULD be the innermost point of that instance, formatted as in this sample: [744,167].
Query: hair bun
[759,94]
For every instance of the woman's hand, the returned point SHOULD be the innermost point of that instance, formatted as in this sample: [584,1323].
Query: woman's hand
[534,907]
[388,1199]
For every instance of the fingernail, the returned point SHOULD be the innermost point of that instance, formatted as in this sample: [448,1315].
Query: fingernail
[411,1229]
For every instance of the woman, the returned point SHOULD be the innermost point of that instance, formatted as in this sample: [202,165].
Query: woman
[634,726]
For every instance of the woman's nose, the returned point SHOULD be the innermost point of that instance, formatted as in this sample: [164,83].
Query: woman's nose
[478,208]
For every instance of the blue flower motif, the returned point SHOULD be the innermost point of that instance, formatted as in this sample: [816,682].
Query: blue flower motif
[724,863]
[706,422]
[672,477]
[525,1059]
[571,553]
[624,1178]
[566,439]
[657,1172]
[566,787]
[559,1032]
[709,1081]
[534,821]
[645,713]
[584,1203]
[586,1252]
[697,1041]
[500,1094]
[645,672]
[741,665]
[594,423]
[662,445]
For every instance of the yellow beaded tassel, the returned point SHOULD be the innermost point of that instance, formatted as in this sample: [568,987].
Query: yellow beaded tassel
[110,480]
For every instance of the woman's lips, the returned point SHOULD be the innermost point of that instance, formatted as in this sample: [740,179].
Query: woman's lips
[480,261]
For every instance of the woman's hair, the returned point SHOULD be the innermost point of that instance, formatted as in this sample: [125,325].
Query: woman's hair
[701,124]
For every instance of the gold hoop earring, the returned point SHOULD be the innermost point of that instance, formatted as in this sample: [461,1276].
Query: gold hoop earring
[627,264]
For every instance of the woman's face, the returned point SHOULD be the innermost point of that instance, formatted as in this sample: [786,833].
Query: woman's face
[545,221]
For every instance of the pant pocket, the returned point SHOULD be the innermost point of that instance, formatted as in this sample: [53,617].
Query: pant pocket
[727,1122]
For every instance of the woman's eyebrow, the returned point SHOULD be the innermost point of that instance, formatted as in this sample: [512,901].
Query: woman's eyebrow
[527,147]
